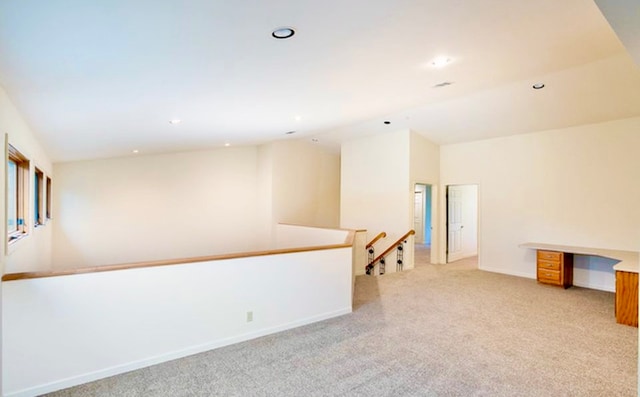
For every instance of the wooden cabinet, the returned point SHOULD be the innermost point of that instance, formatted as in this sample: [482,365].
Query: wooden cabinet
[554,265]
[627,298]
[555,268]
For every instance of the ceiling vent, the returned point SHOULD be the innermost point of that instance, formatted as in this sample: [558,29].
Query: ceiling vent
[443,84]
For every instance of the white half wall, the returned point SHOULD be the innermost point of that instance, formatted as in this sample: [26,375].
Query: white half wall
[574,186]
[66,330]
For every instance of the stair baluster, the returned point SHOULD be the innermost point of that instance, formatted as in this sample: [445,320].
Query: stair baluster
[400,256]
[399,246]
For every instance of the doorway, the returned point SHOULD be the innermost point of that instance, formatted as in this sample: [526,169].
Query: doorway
[422,221]
[462,222]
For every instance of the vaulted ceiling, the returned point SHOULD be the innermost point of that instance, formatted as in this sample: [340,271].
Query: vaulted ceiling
[103,78]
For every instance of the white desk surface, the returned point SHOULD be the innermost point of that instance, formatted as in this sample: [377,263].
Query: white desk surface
[628,260]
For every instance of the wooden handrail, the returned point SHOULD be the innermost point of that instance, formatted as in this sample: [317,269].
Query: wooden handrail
[348,242]
[376,238]
[391,247]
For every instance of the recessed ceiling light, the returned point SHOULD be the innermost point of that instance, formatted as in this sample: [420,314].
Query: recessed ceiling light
[387,122]
[440,62]
[227,144]
[283,33]
[298,118]
[175,121]
[135,151]
[538,86]
[289,132]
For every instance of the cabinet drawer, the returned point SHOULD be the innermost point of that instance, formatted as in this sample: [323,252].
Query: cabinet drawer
[549,276]
[549,255]
[548,265]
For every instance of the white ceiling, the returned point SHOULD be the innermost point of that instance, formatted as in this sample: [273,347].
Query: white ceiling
[101,78]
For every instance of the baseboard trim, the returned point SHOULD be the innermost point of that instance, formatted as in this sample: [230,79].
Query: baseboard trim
[598,287]
[510,273]
[462,255]
[146,362]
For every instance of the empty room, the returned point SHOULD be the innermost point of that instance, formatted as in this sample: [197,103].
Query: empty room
[415,198]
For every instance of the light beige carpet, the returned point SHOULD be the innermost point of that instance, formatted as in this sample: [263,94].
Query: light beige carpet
[438,330]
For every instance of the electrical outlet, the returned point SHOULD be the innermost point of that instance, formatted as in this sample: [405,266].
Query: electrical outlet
[249,317]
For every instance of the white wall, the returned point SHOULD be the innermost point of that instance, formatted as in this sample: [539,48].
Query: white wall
[575,186]
[165,206]
[374,184]
[425,169]
[298,183]
[306,184]
[360,254]
[141,208]
[470,213]
[66,330]
[376,193]
[34,251]
[266,223]
[296,236]
[379,174]
[425,160]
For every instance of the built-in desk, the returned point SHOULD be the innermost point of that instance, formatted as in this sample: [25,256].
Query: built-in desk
[626,308]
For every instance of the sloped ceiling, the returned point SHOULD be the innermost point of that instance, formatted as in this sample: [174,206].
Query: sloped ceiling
[100,79]
[624,18]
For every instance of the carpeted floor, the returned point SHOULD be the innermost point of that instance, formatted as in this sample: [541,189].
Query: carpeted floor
[437,330]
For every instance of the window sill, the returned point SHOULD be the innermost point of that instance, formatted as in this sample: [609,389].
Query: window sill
[17,237]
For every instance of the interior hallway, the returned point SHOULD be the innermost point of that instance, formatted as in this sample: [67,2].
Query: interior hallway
[422,256]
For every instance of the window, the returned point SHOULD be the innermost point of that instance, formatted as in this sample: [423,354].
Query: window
[17,193]
[38,198]
[48,198]
[12,201]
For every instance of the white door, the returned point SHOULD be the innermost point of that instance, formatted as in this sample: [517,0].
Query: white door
[462,223]
[418,217]
[454,223]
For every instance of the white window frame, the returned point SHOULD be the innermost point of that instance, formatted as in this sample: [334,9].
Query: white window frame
[22,194]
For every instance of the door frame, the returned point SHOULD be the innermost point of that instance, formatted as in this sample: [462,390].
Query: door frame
[422,193]
[445,211]
[435,211]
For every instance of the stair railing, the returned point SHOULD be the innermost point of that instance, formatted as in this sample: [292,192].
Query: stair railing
[399,246]
[371,250]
